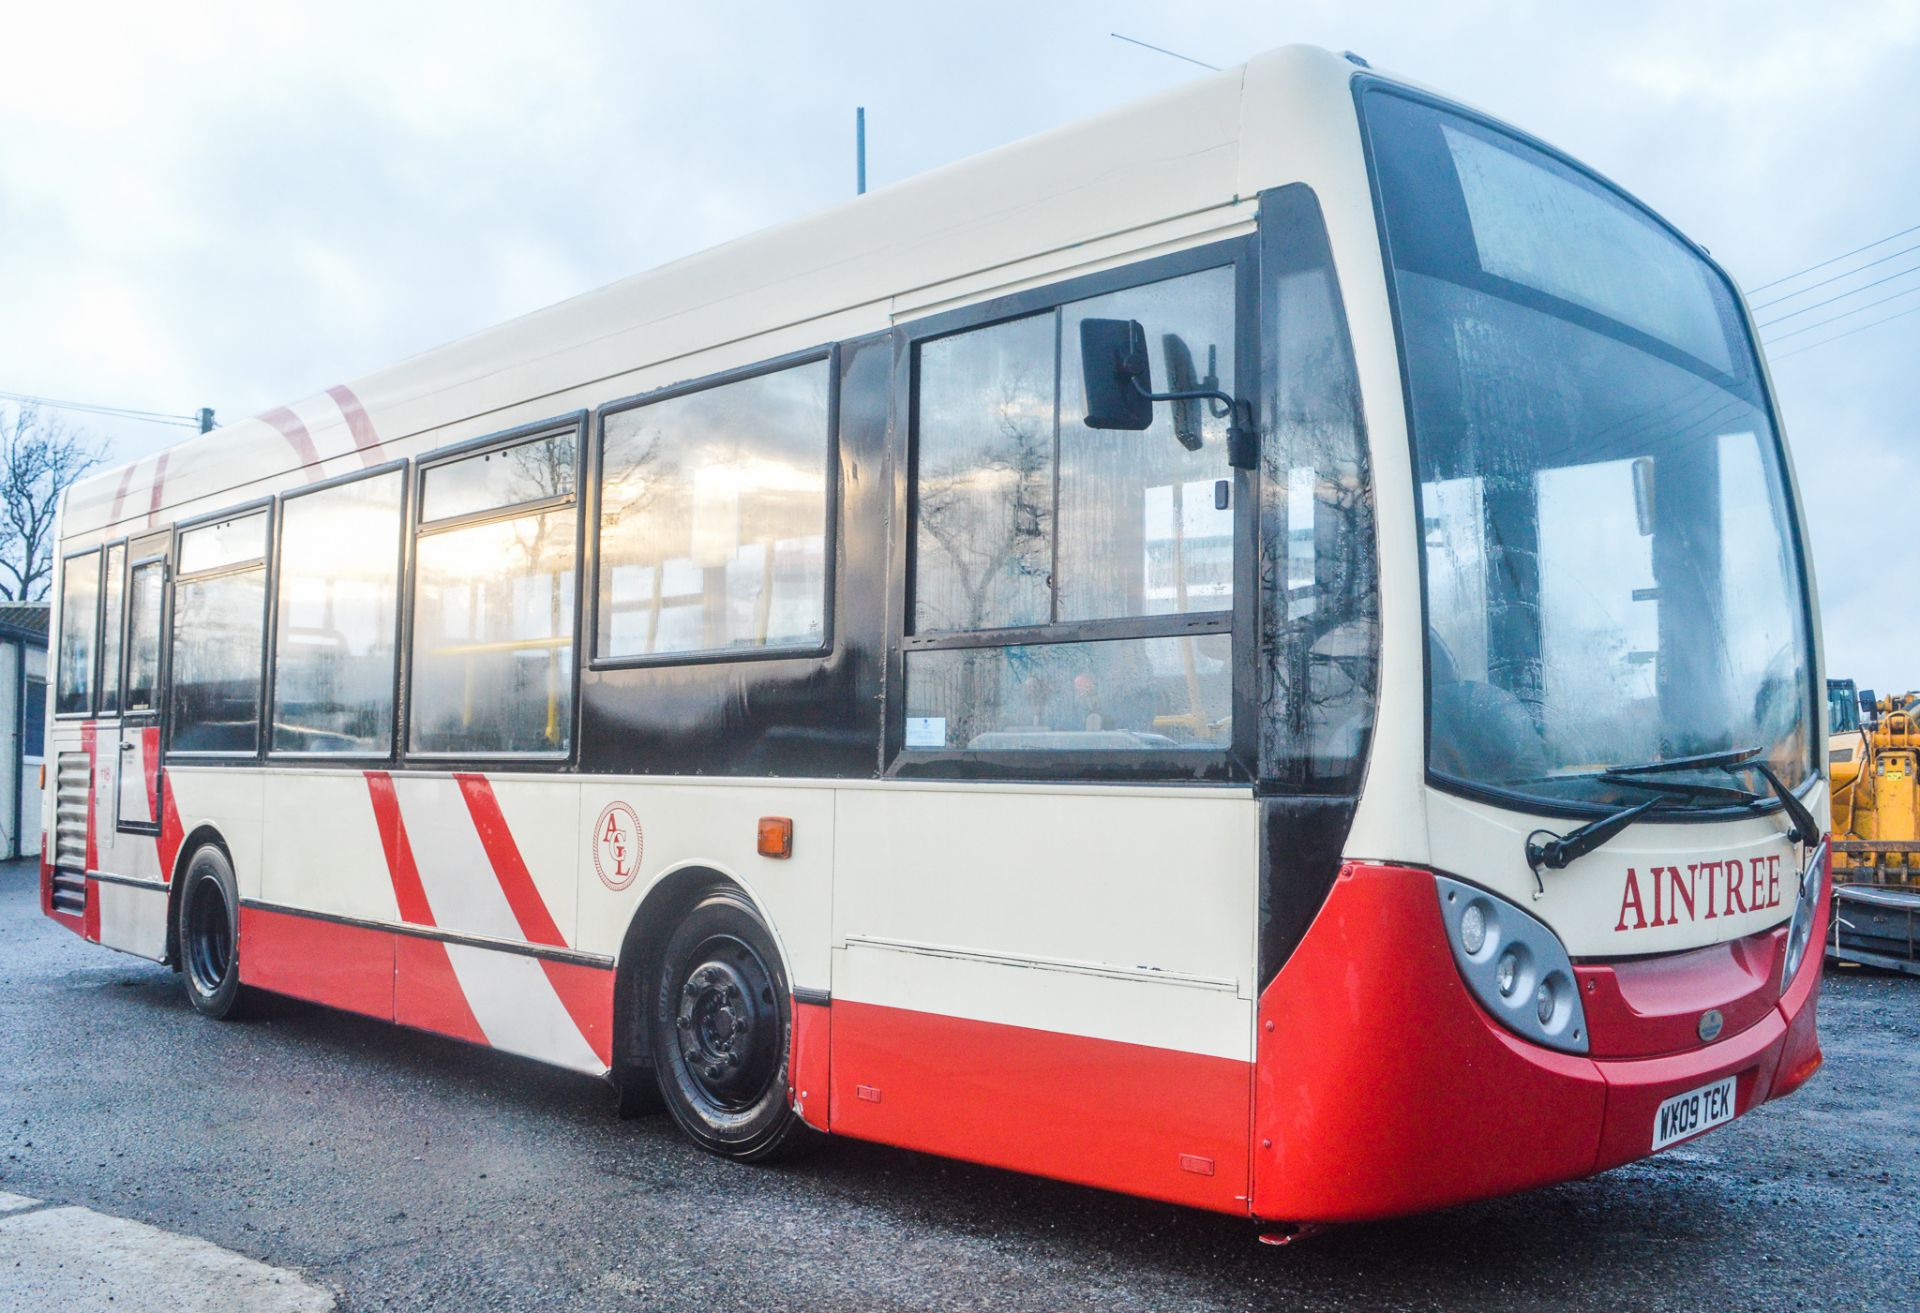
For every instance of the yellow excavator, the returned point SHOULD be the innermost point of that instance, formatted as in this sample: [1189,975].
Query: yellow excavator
[1873,752]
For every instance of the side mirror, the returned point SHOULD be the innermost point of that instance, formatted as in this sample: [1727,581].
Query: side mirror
[1869,704]
[1117,374]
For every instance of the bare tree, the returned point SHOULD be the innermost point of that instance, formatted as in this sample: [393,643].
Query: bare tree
[40,458]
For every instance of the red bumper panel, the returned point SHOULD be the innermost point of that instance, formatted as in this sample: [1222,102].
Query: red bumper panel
[1652,1007]
[1383,1088]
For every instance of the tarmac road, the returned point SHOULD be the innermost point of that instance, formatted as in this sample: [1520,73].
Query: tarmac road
[404,1171]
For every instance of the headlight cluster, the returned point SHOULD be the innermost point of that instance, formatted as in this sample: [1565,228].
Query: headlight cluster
[1806,909]
[1514,965]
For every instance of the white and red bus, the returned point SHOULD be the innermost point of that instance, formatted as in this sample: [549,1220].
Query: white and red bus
[1257,651]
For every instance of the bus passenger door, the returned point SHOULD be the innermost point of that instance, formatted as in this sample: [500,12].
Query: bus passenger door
[137,807]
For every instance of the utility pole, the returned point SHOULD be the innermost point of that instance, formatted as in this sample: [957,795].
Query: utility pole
[860,150]
[206,419]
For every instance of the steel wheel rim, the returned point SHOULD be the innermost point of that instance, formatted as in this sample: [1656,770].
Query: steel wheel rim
[727,1023]
[209,937]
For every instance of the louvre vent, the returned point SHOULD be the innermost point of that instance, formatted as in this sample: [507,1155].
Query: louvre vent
[71,783]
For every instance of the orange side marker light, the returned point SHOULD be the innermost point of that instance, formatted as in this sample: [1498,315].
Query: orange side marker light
[776,836]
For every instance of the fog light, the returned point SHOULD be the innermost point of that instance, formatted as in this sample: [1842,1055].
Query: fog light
[1473,929]
[1543,1002]
[1507,974]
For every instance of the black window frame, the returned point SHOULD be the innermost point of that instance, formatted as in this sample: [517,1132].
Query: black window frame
[402,591]
[171,581]
[827,353]
[88,712]
[1235,763]
[163,559]
[578,422]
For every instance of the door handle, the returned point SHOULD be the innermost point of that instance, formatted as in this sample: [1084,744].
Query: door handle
[127,746]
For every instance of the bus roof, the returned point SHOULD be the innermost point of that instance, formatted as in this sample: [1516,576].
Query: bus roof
[1171,171]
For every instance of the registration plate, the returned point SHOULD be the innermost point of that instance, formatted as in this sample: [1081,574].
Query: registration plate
[1693,1112]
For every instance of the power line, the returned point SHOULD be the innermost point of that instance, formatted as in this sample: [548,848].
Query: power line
[1793,314]
[116,412]
[1859,328]
[1905,250]
[1833,260]
[1163,50]
[1844,314]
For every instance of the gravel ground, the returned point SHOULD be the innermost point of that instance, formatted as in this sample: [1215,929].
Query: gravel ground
[405,1171]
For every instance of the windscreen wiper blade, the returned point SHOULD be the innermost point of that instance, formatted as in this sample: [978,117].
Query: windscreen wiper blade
[1687,788]
[1557,851]
[1704,761]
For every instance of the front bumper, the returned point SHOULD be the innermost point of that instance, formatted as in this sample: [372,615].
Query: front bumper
[1382,1087]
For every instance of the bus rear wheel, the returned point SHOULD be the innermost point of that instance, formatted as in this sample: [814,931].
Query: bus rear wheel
[208,929]
[719,1026]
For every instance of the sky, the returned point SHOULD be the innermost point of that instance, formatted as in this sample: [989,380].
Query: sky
[236,205]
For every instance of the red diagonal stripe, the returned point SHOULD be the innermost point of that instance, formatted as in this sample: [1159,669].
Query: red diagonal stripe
[585,992]
[529,909]
[358,423]
[297,437]
[120,493]
[159,482]
[408,892]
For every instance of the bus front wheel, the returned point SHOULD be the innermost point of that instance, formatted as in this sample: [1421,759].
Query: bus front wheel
[719,1028]
[209,934]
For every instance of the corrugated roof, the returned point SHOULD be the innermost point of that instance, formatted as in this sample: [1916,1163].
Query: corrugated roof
[25,617]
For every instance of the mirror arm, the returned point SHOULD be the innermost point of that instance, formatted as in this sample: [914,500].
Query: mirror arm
[1243,440]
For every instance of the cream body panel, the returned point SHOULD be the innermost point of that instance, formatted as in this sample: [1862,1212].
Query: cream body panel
[1126,914]
[1587,904]
[323,850]
[132,919]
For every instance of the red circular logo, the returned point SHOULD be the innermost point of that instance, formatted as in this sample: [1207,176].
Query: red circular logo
[617,845]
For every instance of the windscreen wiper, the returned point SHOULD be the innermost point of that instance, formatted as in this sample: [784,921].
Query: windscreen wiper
[1686,788]
[1557,851]
[1805,828]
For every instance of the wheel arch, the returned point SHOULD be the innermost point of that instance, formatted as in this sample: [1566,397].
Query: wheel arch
[201,836]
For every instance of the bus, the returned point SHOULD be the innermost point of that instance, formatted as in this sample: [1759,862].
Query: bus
[1257,651]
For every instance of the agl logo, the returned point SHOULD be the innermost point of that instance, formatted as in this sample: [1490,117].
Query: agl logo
[617,845]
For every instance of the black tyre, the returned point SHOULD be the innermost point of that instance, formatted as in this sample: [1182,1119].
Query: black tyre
[719,1027]
[209,934]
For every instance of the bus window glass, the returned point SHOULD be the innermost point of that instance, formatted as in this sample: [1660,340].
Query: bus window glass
[493,636]
[218,639]
[110,621]
[229,542]
[1117,694]
[983,478]
[79,622]
[1140,532]
[1609,558]
[713,519]
[539,470]
[1320,641]
[336,613]
[145,594]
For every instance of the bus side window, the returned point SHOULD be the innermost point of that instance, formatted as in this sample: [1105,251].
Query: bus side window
[219,636]
[713,519]
[1320,639]
[111,588]
[79,625]
[493,601]
[1027,519]
[335,618]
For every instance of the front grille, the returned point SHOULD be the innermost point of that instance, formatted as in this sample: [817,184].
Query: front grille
[72,780]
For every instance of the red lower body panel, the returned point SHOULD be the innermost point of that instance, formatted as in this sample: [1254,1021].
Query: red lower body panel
[807,1064]
[1128,1117]
[343,966]
[426,994]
